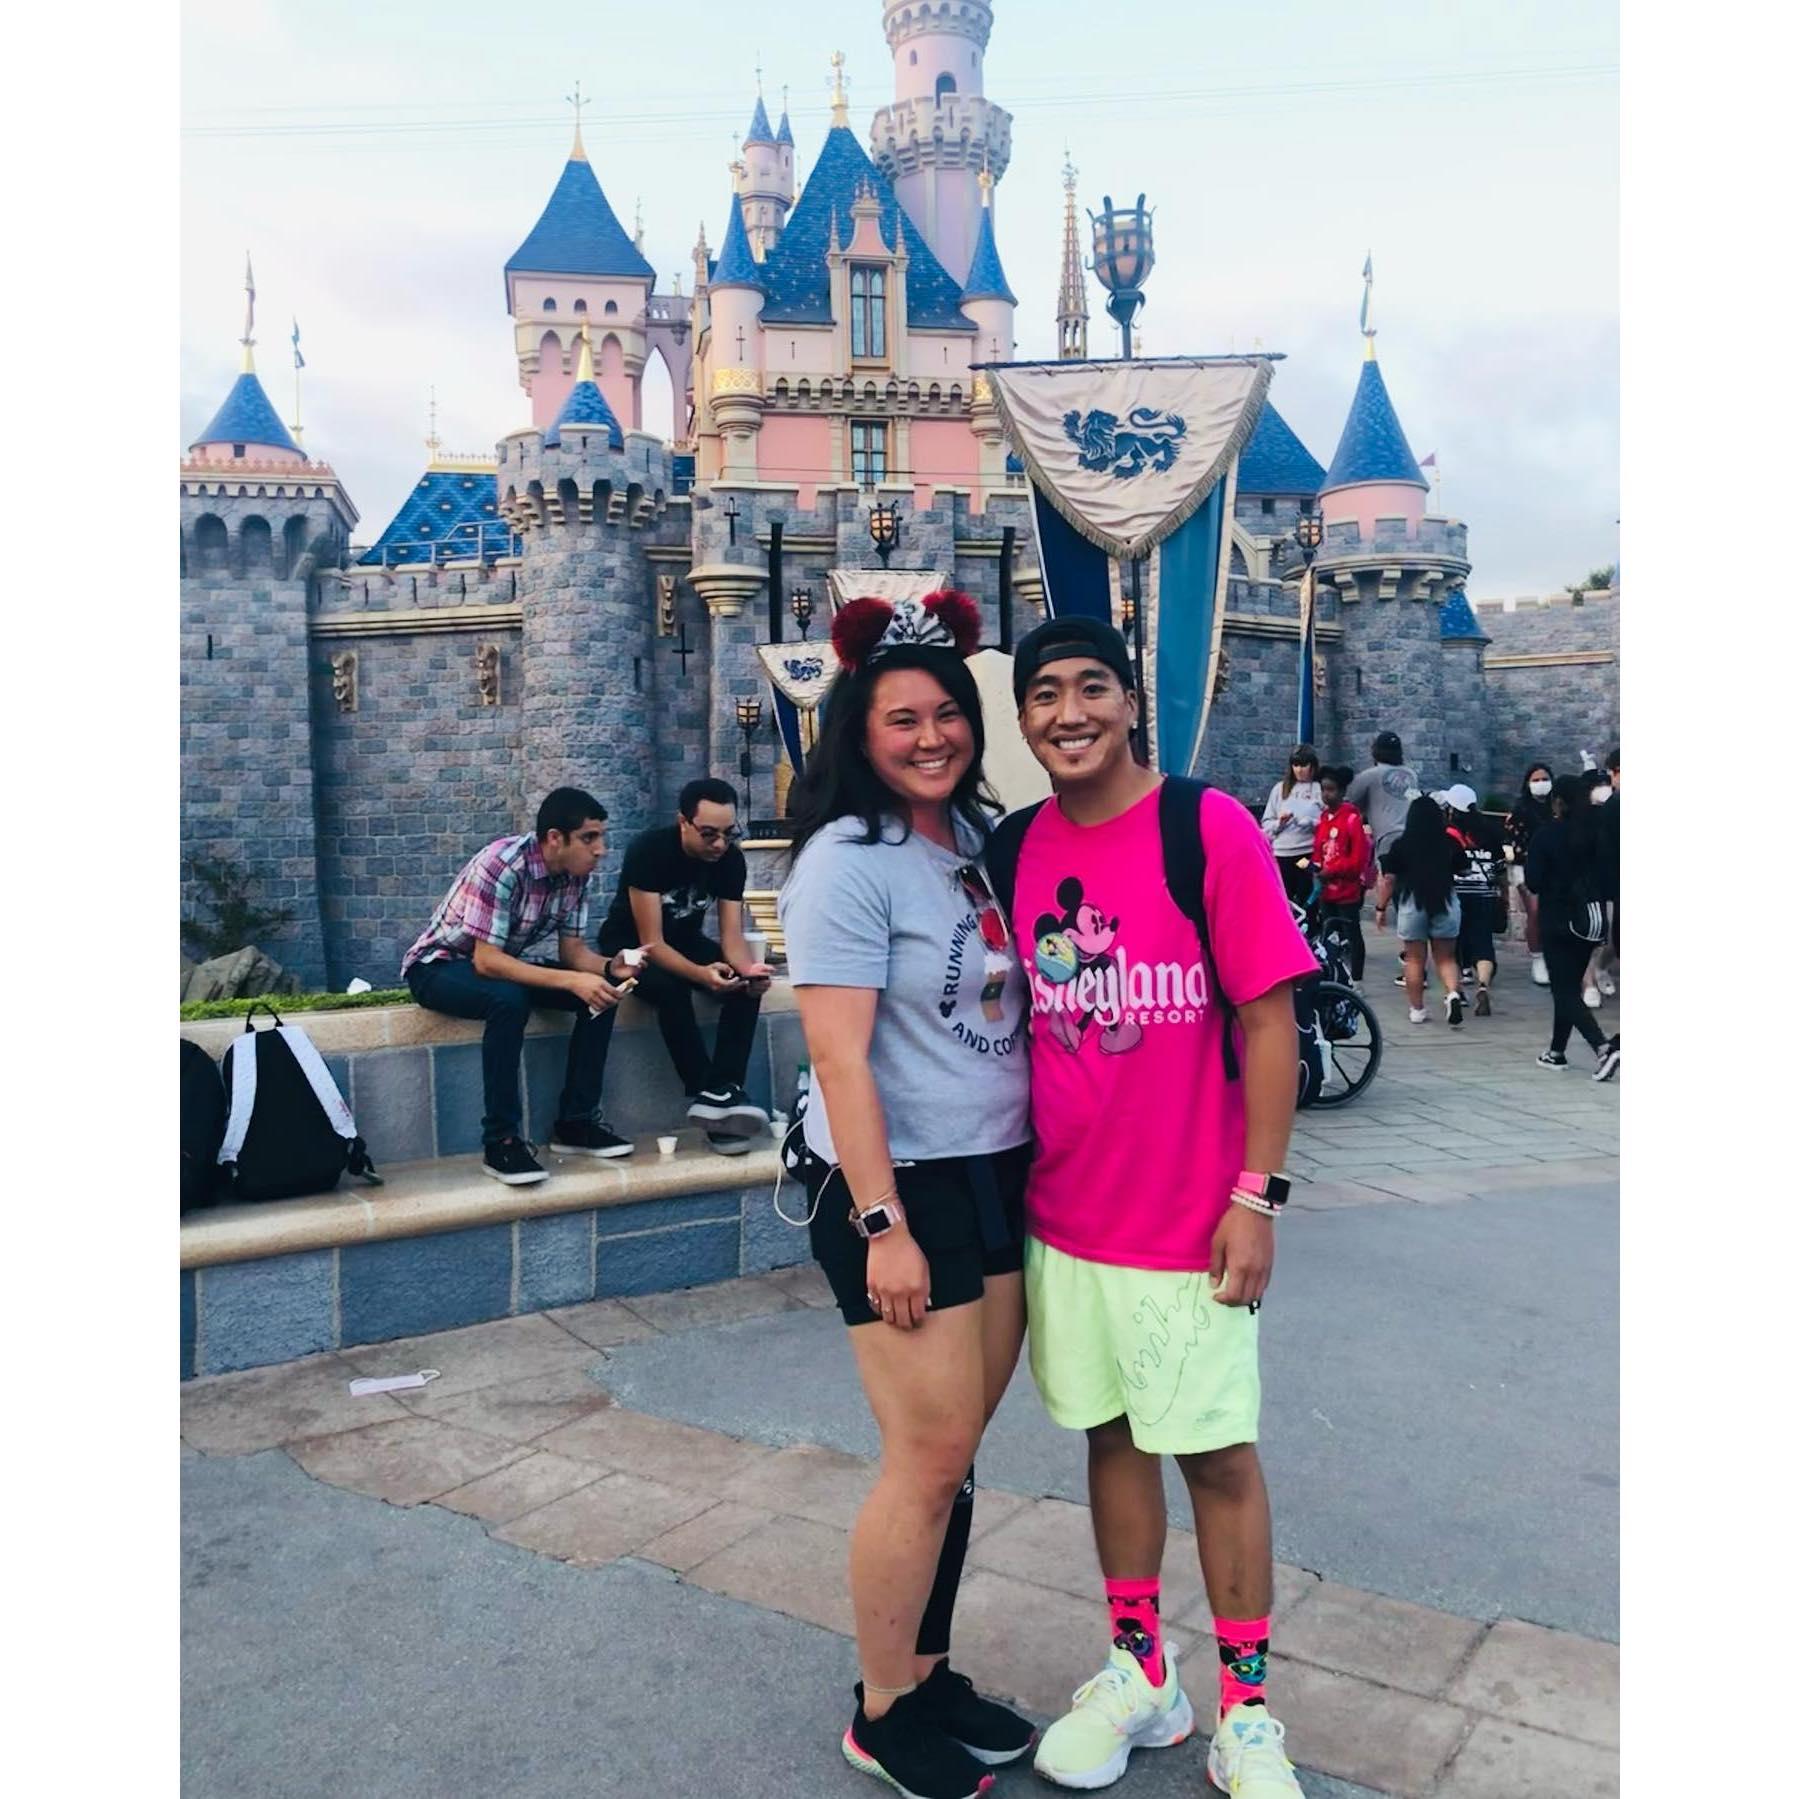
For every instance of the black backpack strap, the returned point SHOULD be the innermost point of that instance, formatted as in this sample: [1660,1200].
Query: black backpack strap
[1184,869]
[1001,855]
[362,1164]
[261,1005]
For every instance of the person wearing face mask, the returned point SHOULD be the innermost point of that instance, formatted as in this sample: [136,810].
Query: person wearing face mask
[1561,872]
[1290,822]
[1596,790]
[1529,813]
[1478,883]
[1605,959]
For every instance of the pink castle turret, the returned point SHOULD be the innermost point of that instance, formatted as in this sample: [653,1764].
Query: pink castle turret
[941,129]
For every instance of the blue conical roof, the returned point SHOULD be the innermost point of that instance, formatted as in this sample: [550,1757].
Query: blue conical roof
[759,131]
[585,405]
[1373,447]
[784,131]
[1275,461]
[247,418]
[579,234]
[1456,621]
[986,279]
[736,266]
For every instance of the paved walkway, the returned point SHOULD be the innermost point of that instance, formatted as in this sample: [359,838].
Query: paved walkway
[604,1551]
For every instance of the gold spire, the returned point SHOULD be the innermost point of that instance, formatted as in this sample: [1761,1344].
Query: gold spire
[985,178]
[1367,300]
[579,152]
[584,361]
[1071,302]
[249,338]
[637,233]
[840,100]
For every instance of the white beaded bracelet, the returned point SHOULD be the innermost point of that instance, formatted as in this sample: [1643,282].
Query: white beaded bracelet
[1252,1203]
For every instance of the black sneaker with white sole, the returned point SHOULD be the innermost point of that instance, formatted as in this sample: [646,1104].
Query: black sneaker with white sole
[1483,1004]
[1608,1061]
[512,1163]
[589,1137]
[1552,1058]
[908,1750]
[728,1110]
[992,1733]
[722,1143]
[1452,1010]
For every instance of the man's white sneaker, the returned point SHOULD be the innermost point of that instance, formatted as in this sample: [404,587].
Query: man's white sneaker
[1539,971]
[1247,1759]
[1115,1712]
[1418,1015]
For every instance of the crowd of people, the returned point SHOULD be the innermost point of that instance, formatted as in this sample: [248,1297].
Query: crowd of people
[1447,872]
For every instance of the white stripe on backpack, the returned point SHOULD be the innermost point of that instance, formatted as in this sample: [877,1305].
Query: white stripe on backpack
[242,1079]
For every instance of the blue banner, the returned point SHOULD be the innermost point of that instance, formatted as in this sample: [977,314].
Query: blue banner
[1308,657]
[787,716]
[1076,578]
[1187,635]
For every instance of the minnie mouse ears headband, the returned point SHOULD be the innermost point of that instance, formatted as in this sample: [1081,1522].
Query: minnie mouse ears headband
[866,629]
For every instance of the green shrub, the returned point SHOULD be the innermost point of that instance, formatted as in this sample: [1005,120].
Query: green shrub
[236,922]
[296,1002]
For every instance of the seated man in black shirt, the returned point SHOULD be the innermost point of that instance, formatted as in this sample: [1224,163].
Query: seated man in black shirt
[671,876]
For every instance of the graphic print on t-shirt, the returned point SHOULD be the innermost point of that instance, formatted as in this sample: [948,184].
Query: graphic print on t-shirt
[1085,980]
[979,936]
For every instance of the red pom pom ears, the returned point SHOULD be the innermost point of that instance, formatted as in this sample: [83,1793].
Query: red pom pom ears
[947,620]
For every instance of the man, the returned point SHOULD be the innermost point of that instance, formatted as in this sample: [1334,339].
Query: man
[672,875]
[1381,794]
[470,962]
[1151,1203]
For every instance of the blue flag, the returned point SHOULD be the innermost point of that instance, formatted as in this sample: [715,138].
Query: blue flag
[299,360]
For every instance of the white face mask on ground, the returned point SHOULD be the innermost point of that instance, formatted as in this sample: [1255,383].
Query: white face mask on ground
[1539,790]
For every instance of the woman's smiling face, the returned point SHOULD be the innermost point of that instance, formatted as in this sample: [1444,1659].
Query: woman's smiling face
[920,742]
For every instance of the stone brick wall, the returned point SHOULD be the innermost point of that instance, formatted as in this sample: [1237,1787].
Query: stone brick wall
[1549,710]
[1388,676]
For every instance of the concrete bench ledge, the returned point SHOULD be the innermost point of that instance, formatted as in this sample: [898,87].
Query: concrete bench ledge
[426,1198]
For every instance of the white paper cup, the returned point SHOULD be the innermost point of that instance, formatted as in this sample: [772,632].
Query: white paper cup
[756,942]
[665,1146]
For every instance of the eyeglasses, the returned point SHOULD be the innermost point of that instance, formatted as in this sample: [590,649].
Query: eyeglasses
[716,834]
[992,920]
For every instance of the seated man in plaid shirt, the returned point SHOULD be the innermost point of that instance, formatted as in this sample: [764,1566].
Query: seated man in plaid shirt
[516,893]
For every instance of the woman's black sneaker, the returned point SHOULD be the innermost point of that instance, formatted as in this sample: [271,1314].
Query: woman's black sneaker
[910,1751]
[1608,1060]
[589,1137]
[989,1732]
[1552,1058]
[513,1163]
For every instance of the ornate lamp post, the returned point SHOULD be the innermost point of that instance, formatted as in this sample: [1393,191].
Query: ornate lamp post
[1308,533]
[749,720]
[884,530]
[801,608]
[1123,254]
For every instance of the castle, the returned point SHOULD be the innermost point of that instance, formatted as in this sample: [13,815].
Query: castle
[585,606]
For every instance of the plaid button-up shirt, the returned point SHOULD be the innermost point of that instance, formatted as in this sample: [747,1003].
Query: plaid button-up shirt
[507,897]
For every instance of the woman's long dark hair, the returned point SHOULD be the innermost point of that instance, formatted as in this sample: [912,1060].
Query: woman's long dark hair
[1428,857]
[1303,753]
[1528,801]
[840,782]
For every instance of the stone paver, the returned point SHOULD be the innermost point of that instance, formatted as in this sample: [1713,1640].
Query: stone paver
[481,1355]
[679,1454]
[515,1411]
[792,1565]
[520,1487]
[729,1302]
[1393,1742]
[689,1544]
[807,1284]
[824,1485]
[1399,1645]
[1292,1586]
[1538,1677]
[613,1516]
[404,1461]
[603,1324]
[237,1414]
[1508,1761]
[1028,1643]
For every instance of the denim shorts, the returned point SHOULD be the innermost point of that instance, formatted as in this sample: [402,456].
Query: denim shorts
[1415,925]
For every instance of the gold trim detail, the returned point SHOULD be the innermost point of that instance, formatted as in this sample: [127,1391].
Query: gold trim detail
[736,381]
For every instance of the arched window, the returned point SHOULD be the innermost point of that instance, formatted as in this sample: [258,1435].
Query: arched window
[611,308]
[257,543]
[915,59]
[946,84]
[580,306]
[209,540]
[549,305]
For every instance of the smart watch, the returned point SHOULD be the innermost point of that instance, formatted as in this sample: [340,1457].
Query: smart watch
[1272,1189]
[877,1220]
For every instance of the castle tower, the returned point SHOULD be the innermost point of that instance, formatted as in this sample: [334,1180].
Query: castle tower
[258,521]
[734,298]
[941,130]
[991,307]
[1391,567]
[579,263]
[767,190]
[1071,297]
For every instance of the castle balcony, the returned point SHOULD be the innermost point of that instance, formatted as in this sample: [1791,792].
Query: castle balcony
[1445,538]
[951,132]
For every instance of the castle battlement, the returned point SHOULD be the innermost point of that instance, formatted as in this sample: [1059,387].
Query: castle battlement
[1592,596]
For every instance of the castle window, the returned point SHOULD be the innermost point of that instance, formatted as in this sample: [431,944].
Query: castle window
[868,451]
[1267,509]
[946,84]
[915,59]
[868,310]
[1455,762]
[580,306]
[237,449]
[549,305]
[611,308]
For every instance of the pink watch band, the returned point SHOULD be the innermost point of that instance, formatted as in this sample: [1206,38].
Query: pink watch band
[1251,1183]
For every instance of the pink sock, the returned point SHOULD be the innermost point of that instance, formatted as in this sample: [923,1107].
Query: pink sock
[1136,1608]
[1242,1661]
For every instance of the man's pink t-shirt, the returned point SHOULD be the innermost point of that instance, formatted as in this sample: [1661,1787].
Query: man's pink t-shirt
[1139,1134]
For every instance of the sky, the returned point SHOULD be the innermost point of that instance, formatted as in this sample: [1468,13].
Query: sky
[381,164]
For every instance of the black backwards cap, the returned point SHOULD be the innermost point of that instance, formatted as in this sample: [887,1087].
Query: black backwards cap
[1074,634]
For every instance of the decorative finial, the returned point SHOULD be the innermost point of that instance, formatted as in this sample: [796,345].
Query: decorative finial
[836,243]
[584,361]
[758,74]
[249,337]
[433,442]
[637,232]
[840,99]
[1367,297]
[579,152]
[985,178]
[1069,171]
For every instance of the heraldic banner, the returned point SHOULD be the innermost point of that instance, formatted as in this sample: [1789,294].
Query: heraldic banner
[800,675]
[882,584]
[1126,457]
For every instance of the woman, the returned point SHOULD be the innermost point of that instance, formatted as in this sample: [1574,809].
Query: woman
[1599,985]
[1341,851]
[1290,821]
[918,1141]
[1562,874]
[1478,886]
[1424,863]
[1529,813]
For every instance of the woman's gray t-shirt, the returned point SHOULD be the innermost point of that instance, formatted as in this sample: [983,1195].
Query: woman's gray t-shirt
[948,1049]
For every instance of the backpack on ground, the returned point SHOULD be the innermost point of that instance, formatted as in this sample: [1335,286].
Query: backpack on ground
[202,1126]
[1184,871]
[287,1131]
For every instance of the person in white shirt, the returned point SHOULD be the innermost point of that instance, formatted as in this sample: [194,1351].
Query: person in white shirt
[1290,821]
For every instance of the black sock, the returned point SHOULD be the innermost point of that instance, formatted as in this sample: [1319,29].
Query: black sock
[933,1628]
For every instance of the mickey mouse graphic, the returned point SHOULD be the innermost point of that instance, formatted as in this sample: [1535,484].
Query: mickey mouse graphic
[1080,939]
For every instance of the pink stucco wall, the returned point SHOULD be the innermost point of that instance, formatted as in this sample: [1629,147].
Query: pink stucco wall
[944,454]
[618,387]
[221,452]
[1372,500]
[948,54]
[795,448]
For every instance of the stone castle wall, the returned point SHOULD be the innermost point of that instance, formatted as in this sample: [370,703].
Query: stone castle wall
[1552,682]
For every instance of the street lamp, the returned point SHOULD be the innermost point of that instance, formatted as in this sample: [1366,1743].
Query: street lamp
[1308,533]
[884,529]
[1123,255]
[749,718]
[801,608]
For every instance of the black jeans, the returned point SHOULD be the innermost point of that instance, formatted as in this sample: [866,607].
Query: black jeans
[1351,914]
[454,987]
[673,999]
[1567,957]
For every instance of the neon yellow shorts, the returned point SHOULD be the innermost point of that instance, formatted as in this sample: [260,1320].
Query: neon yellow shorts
[1148,1344]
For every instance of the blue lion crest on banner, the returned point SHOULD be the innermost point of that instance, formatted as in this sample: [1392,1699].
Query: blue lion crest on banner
[1151,440]
[809,668]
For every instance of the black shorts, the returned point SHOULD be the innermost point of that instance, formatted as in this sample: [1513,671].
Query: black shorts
[965,1212]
